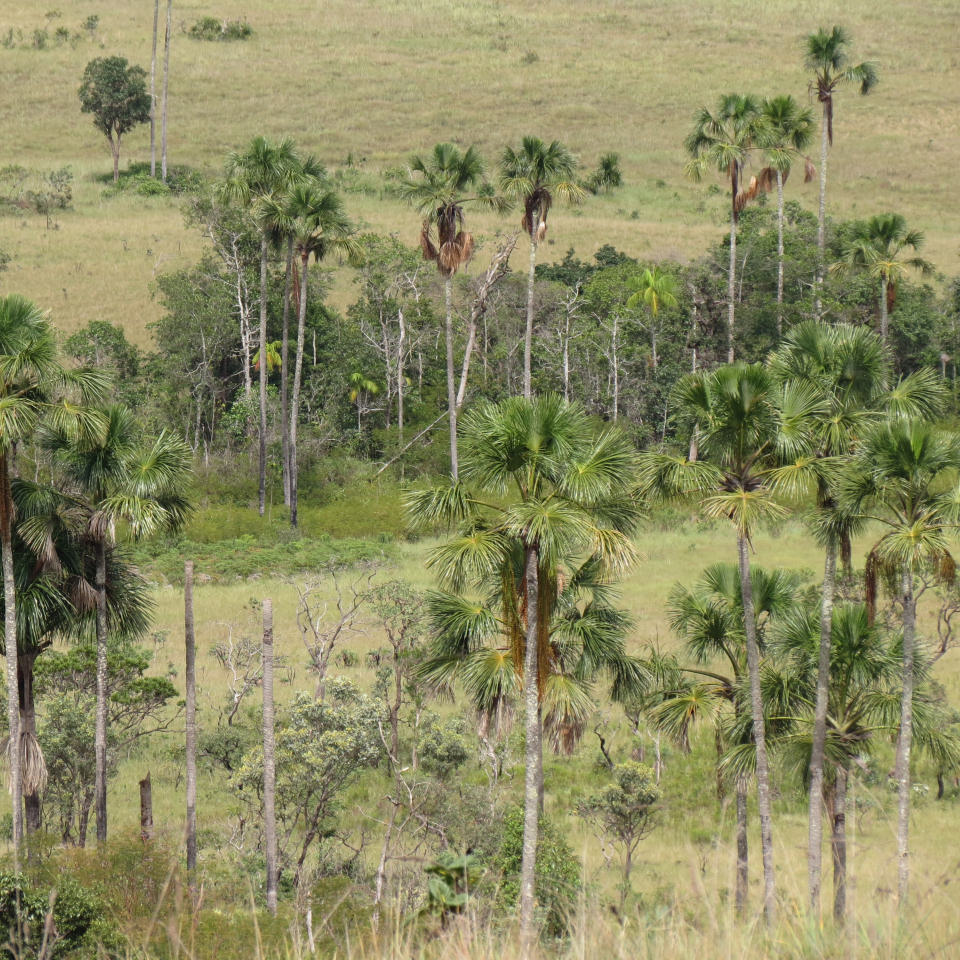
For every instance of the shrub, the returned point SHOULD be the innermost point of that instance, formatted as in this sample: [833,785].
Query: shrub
[557,875]
[210,28]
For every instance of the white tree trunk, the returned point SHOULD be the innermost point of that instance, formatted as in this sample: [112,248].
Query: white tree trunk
[100,732]
[779,254]
[451,382]
[269,761]
[295,403]
[905,741]
[153,91]
[731,288]
[822,214]
[190,681]
[166,82]
[528,335]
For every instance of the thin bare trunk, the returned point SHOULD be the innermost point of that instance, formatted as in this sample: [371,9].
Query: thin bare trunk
[528,336]
[884,312]
[264,250]
[295,405]
[28,732]
[815,810]
[146,809]
[451,384]
[743,861]
[190,679]
[905,741]
[779,254]
[401,343]
[838,846]
[731,288]
[10,641]
[284,374]
[531,811]
[166,86]
[269,761]
[153,91]
[616,367]
[100,734]
[822,211]
[759,734]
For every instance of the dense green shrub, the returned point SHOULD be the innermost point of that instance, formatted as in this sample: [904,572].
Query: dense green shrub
[210,28]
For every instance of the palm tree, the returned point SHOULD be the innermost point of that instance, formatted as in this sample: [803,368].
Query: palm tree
[746,426]
[827,56]
[361,387]
[256,178]
[544,501]
[653,289]
[438,188]
[30,378]
[864,700]
[318,226]
[534,175]
[903,476]
[56,598]
[724,140]
[876,245]
[709,620]
[117,480]
[788,133]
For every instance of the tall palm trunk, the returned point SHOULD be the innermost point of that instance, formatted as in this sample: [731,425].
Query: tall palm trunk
[269,761]
[100,733]
[759,733]
[451,384]
[838,844]
[815,811]
[190,679]
[295,405]
[153,92]
[743,861]
[531,699]
[263,372]
[779,253]
[10,641]
[166,85]
[528,336]
[884,312]
[284,353]
[904,741]
[731,287]
[28,731]
[822,209]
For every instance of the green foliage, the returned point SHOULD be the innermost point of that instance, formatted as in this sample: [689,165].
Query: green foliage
[78,919]
[557,873]
[443,745]
[210,28]
[449,882]
[116,94]
[624,810]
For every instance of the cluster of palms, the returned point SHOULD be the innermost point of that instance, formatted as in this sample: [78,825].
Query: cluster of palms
[821,421]
[62,573]
[779,131]
[543,512]
[294,207]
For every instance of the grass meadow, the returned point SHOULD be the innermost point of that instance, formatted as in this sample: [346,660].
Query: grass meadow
[376,80]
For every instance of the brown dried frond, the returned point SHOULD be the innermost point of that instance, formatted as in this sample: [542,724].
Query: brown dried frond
[891,295]
[946,567]
[426,244]
[541,231]
[870,583]
[809,170]
[33,767]
[766,180]
[83,595]
[100,525]
[564,733]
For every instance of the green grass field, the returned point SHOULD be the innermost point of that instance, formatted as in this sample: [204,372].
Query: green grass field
[380,79]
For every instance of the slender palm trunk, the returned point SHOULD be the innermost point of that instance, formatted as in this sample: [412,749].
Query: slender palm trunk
[264,250]
[153,92]
[284,353]
[28,731]
[884,312]
[759,734]
[616,366]
[10,641]
[904,741]
[743,861]
[451,383]
[731,288]
[528,336]
[838,845]
[269,761]
[100,733]
[822,210]
[779,254]
[191,723]
[815,811]
[531,699]
[166,84]
[295,405]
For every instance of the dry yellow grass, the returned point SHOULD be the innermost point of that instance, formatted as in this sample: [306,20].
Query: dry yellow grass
[382,79]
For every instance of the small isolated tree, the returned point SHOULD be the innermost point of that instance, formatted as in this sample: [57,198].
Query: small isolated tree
[623,813]
[116,94]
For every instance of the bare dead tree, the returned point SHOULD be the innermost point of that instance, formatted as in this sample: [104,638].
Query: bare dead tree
[241,658]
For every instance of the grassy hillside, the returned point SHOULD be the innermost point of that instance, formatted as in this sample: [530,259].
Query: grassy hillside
[378,79]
